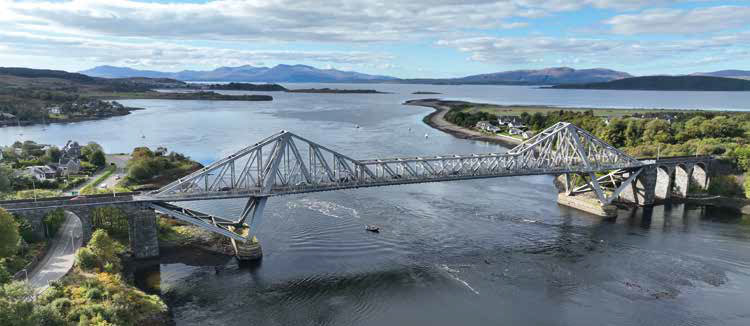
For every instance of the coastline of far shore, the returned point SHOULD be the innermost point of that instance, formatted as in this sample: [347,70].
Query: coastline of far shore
[436,119]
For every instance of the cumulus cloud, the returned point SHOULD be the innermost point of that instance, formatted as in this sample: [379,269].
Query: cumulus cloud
[679,21]
[162,54]
[515,50]
[292,20]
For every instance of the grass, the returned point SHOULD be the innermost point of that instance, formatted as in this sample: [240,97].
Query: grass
[90,188]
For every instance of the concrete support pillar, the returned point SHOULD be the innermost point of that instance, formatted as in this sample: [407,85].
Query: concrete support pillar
[143,232]
[642,190]
[664,182]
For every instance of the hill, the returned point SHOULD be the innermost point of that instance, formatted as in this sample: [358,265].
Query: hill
[668,83]
[547,76]
[247,73]
[733,73]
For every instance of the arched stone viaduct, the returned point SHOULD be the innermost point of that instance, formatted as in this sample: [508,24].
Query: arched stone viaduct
[672,177]
[142,230]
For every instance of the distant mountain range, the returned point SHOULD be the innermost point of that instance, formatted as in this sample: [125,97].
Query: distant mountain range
[739,74]
[302,73]
[668,83]
[548,76]
[247,73]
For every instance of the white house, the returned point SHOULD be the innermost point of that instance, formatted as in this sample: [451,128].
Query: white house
[42,172]
[515,131]
[54,110]
[511,122]
[487,126]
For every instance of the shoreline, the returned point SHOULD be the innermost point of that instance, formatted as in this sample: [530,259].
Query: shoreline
[436,119]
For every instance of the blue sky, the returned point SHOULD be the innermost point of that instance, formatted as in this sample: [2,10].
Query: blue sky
[439,38]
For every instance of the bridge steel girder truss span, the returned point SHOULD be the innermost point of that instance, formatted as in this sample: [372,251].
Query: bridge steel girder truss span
[289,164]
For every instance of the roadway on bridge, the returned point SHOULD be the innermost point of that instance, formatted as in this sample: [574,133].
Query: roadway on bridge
[61,255]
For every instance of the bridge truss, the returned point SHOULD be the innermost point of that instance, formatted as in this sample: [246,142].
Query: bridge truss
[289,164]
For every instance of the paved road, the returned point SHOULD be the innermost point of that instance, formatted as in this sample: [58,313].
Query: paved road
[61,255]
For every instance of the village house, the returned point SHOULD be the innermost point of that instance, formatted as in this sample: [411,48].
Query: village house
[42,172]
[515,131]
[487,126]
[511,122]
[54,110]
[69,159]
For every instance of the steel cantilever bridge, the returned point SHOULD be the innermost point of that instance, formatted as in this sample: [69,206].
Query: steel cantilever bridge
[286,164]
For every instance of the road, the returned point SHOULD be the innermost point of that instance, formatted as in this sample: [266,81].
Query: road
[60,256]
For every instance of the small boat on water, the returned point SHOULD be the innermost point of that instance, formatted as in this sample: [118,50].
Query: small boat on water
[372,228]
[357,126]
[426,136]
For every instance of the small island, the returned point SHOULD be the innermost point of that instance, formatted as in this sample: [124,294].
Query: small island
[425,93]
[248,87]
[335,91]
[667,83]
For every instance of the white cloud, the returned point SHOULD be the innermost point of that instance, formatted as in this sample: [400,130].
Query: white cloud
[290,20]
[678,21]
[162,54]
[605,52]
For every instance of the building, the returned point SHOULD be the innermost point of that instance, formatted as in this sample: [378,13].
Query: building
[54,110]
[511,122]
[515,131]
[69,159]
[527,134]
[42,172]
[487,126]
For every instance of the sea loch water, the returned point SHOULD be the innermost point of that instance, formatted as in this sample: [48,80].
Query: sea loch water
[481,252]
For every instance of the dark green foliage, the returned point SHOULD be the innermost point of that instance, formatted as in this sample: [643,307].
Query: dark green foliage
[86,259]
[725,185]
[98,159]
[146,167]
[53,221]
[8,234]
[468,120]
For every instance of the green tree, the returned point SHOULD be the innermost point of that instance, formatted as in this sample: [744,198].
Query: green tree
[693,127]
[614,133]
[16,305]
[634,132]
[6,177]
[8,234]
[98,159]
[52,155]
[88,151]
[658,131]
[86,259]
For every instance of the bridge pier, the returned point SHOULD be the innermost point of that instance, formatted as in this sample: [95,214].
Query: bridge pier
[142,232]
[642,190]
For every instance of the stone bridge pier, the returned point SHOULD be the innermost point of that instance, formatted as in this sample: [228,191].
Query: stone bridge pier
[656,181]
[142,227]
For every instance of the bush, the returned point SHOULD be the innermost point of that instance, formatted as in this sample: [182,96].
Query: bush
[54,220]
[747,185]
[725,185]
[86,259]
[8,234]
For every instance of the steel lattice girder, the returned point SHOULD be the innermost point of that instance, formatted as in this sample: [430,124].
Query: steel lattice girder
[286,163]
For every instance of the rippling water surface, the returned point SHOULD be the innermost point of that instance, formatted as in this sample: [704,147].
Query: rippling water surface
[480,252]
